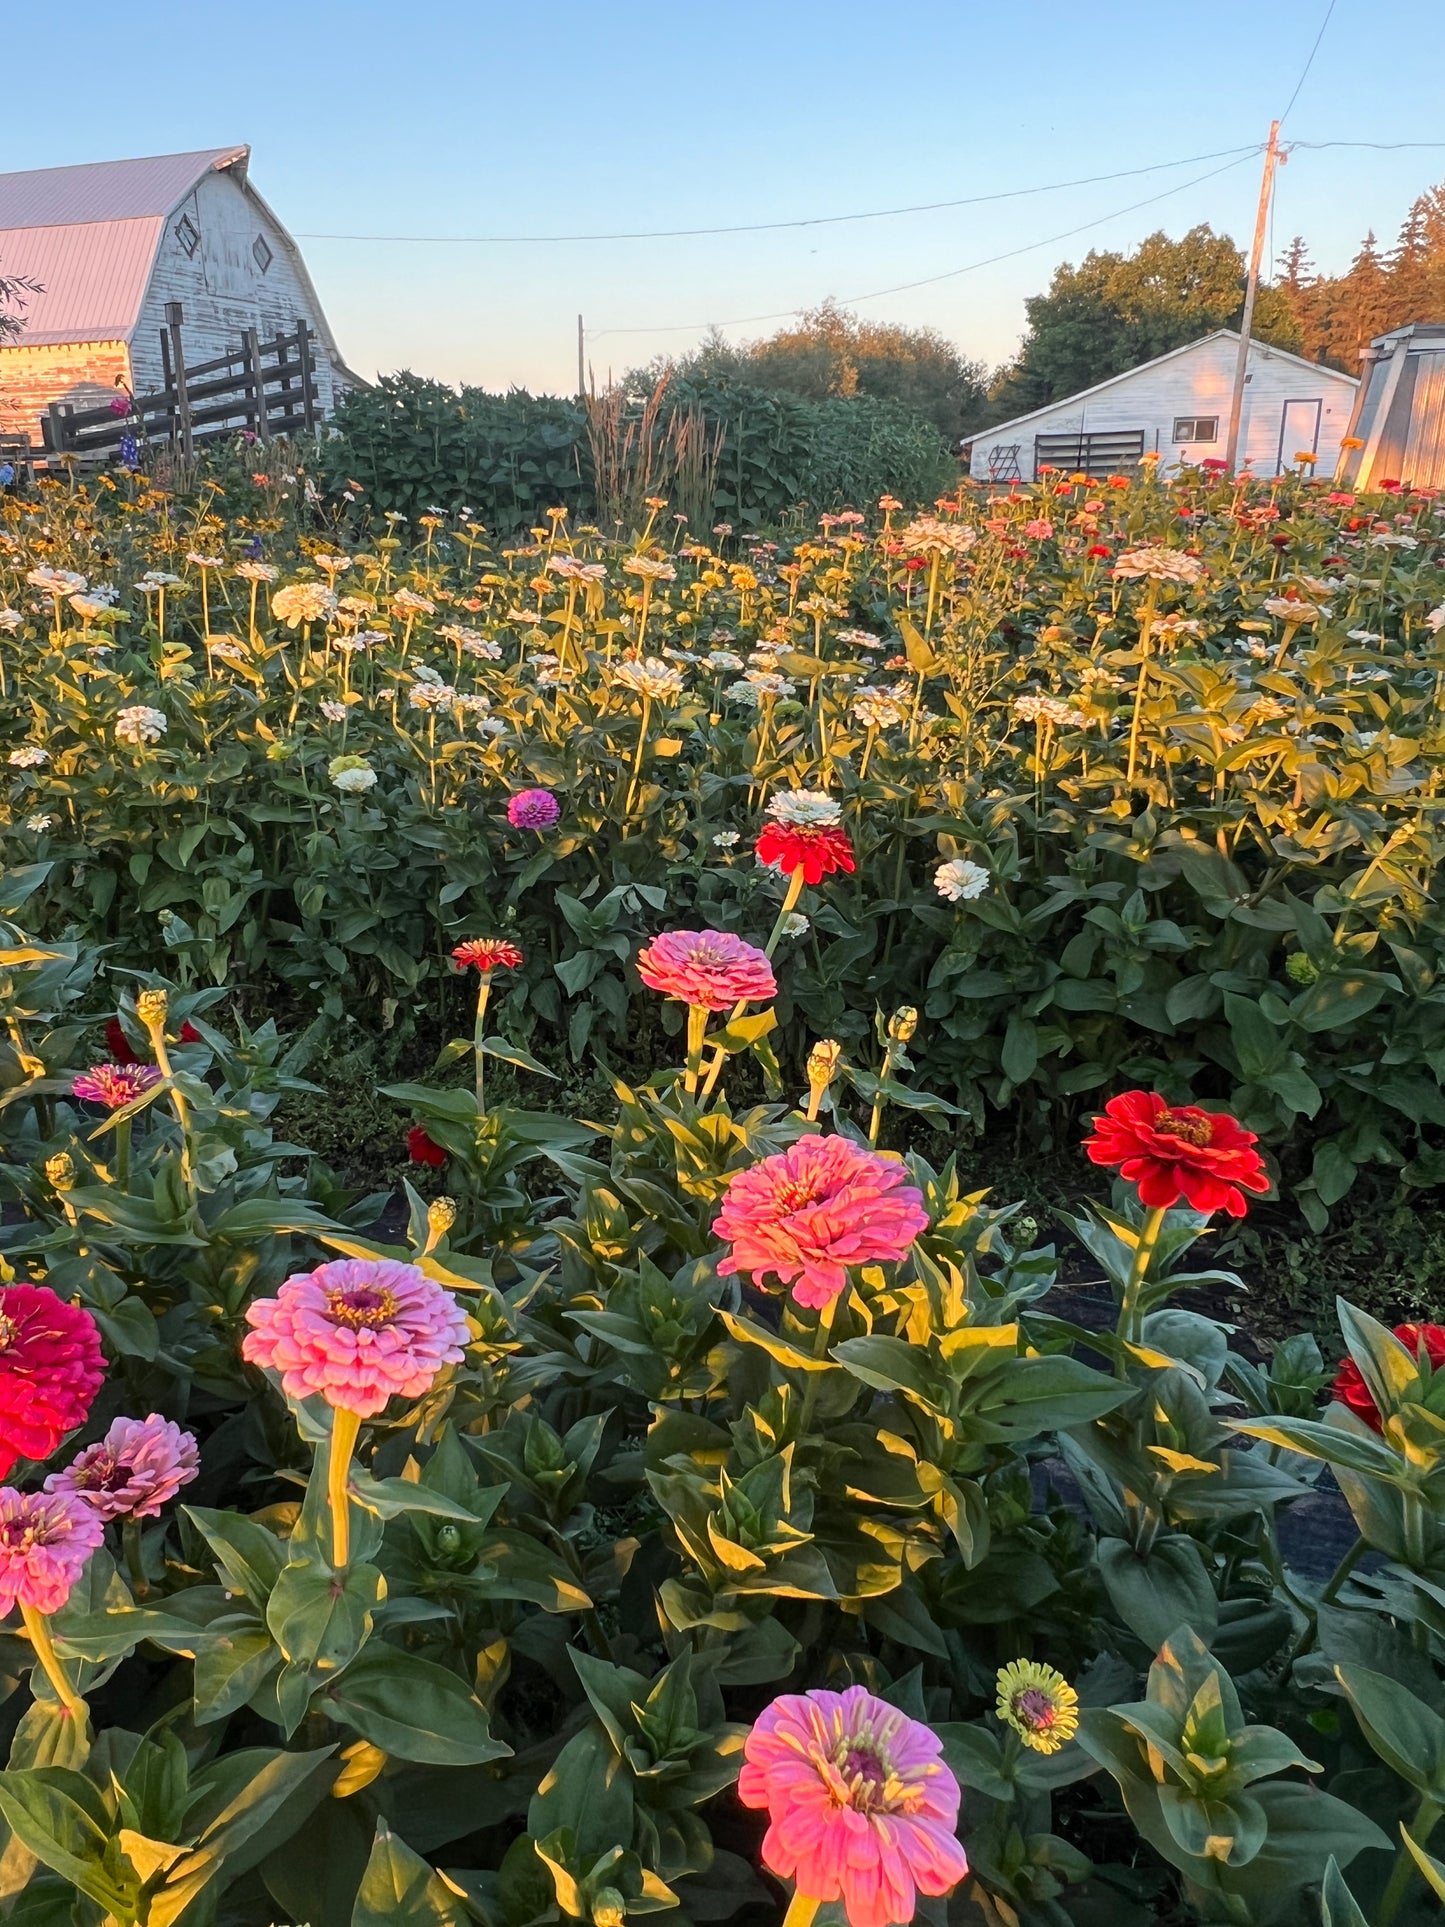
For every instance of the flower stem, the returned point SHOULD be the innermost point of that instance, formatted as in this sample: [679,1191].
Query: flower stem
[801,1909]
[820,1348]
[1419,1830]
[795,890]
[1130,1322]
[134,1558]
[122,1153]
[697,1015]
[1146,624]
[479,1031]
[345,1427]
[39,1631]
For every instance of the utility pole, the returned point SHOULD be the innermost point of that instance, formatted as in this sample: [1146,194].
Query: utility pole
[1251,289]
[581,360]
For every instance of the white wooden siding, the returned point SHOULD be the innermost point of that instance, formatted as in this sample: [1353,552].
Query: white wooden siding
[1196,382]
[221,286]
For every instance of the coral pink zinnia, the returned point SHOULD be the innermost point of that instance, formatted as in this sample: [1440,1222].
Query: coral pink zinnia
[139,1466]
[45,1540]
[487,954]
[806,1214]
[357,1331]
[51,1367]
[708,968]
[861,1808]
[1204,1157]
[115,1085]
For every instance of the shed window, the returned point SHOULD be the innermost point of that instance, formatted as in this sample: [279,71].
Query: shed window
[260,253]
[1196,428]
[188,234]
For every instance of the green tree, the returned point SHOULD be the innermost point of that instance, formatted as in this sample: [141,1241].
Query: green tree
[1114,311]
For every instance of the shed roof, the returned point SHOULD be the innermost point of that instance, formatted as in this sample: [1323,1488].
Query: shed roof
[1172,354]
[89,236]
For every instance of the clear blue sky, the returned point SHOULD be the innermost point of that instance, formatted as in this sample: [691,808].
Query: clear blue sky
[456,117]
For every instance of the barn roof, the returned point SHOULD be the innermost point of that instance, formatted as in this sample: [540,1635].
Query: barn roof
[52,197]
[1172,354]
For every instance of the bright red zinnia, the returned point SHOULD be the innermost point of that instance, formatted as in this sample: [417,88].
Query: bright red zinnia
[487,953]
[424,1149]
[1178,1152]
[816,852]
[1350,1389]
[51,1367]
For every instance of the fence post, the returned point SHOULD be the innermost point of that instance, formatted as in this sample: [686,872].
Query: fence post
[56,416]
[175,315]
[258,385]
[308,374]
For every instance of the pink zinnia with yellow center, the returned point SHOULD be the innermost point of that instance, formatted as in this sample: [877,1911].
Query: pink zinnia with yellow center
[45,1540]
[805,1215]
[115,1085]
[358,1331]
[861,1808]
[707,969]
[138,1466]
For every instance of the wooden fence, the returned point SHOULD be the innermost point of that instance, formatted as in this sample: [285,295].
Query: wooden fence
[266,387]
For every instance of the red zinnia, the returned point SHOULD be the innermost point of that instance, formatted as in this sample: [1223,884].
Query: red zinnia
[423,1148]
[816,852]
[117,1043]
[487,953]
[51,1367]
[1350,1389]
[1169,1153]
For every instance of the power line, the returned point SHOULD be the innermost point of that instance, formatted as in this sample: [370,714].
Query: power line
[772,227]
[950,274]
[1304,76]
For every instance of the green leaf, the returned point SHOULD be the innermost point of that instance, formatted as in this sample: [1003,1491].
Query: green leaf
[249,1556]
[792,1356]
[1408,1735]
[1338,1906]
[514,1054]
[320,1618]
[1155,1596]
[399,1887]
[413,1709]
[57,1814]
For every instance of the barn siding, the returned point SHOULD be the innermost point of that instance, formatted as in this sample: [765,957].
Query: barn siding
[83,373]
[1197,382]
[220,286]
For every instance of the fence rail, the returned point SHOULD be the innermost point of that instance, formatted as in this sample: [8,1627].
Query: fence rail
[268,388]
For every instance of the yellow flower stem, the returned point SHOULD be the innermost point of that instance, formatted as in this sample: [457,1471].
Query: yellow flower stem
[345,1427]
[697,1015]
[795,890]
[1146,625]
[157,1034]
[1130,1322]
[801,1909]
[479,1031]
[637,759]
[820,1348]
[39,1633]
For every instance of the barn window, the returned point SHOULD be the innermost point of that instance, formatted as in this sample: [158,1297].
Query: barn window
[260,253]
[1196,428]
[188,234]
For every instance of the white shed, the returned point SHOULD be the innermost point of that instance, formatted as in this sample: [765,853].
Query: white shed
[110,243]
[1177,406]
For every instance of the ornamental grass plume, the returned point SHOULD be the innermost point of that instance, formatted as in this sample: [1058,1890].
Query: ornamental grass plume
[533,810]
[805,1215]
[356,1332]
[1425,1343]
[1039,1704]
[138,1467]
[861,1807]
[1204,1158]
[46,1539]
[51,1367]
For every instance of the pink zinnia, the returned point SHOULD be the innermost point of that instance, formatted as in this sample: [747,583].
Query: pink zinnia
[45,1540]
[861,1807]
[808,1213]
[139,1466]
[711,968]
[51,1367]
[357,1331]
[115,1085]
[533,810]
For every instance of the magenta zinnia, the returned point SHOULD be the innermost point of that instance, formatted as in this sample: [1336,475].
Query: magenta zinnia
[45,1540]
[711,969]
[861,1808]
[806,1214]
[115,1085]
[139,1466]
[533,810]
[358,1331]
[51,1367]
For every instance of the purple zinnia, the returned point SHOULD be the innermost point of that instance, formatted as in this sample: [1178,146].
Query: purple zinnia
[533,810]
[138,1466]
[115,1085]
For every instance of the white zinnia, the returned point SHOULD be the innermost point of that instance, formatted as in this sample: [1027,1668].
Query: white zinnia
[651,677]
[140,724]
[960,880]
[805,809]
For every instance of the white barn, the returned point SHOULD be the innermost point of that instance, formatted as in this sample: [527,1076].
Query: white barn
[1177,407]
[111,243]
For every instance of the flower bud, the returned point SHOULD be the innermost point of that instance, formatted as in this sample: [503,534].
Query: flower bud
[823,1061]
[1301,969]
[441,1215]
[363,1763]
[151,1007]
[609,1909]
[903,1024]
[60,1171]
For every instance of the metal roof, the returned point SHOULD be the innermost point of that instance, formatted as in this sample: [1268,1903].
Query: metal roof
[50,197]
[94,277]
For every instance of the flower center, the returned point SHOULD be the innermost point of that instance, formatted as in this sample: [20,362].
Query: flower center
[8,1332]
[361,1307]
[1195,1131]
[795,1194]
[106,1473]
[1035,1709]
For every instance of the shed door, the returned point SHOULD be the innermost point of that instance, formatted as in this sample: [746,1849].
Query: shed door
[1299,432]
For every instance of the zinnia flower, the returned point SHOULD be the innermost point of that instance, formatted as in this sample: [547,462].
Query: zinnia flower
[1204,1157]
[140,723]
[960,880]
[115,1085]
[487,954]
[45,1540]
[533,810]
[1351,1390]
[1155,563]
[1039,1704]
[422,1148]
[805,834]
[356,1330]
[139,1466]
[806,1214]
[712,969]
[861,1808]
[51,1367]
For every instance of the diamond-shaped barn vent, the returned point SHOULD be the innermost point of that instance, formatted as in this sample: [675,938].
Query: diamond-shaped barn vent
[188,234]
[260,253]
